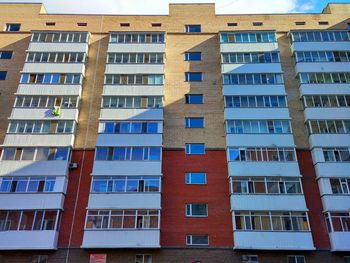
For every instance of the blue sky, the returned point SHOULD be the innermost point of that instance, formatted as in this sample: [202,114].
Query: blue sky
[161,6]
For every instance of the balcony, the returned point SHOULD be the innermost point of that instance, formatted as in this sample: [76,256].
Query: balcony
[336,202]
[261,140]
[138,238]
[134,68]
[28,168]
[150,200]
[326,113]
[23,201]
[251,68]
[263,169]
[136,48]
[33,140]
[320,46]
[271,202]
[326,89]
[329,140]
[248,47]
[322,67]
[256,113]
[43,114]
[54,68]
[131,114]
[129,140]
[54,46]
[133,90]
[332,169]
[253,90]
[28,240]
[63,90]
[340,241]
[127,168]
[273,240]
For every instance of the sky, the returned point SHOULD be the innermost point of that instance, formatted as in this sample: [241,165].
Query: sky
[148,7]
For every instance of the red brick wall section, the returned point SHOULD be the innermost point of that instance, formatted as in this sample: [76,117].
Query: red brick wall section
[313,200]
[85,167]
[175,194]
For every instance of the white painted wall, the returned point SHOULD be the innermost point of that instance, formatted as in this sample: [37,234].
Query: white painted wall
[129,140]
[124,201]
[332,170]
[63,47]
[11,201]
[263,169]
[329,140]
[28,240]
[254,90]
[319,46]
[126,90]
[248,47]
[322,67]
[273,240]
[256,113]
[52,140]
[134,69]
[340,241]
[131,114]
[251,68]
[78,68]
[327,113]
[336,203]
[260,140]
[33,89]
[312,89]
[43,114]
[42,168]
[127,168]
[268,202]
[137,238]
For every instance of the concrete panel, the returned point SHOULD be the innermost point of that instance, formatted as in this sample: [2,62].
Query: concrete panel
[33,140]
[248,47]
[251,68]
[78,68]
[131,114]
[28,240]
[42,168]
[129,140]
[136,48]
[256,113]
[142,90]
[127,168]
[134,69]
[260,140]
[263,169]
[19,201]
[63,47]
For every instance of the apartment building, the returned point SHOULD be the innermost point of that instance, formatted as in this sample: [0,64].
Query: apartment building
[188,137]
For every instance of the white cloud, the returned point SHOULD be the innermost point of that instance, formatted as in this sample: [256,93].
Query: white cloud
[161,6]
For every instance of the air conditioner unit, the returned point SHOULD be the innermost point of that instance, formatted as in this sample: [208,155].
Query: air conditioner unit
[73,165]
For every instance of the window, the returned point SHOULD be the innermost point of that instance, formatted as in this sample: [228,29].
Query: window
[156,24]
[257,23]
[253,57]
[35,154]
[64,37]
[196,178]
[340,185]
[300,23]
[265,185]
[12,27]
[255,101]
[250,259]
[195,148]
[50,23]
[122,219]
[114,79]
[128,154]
[41,127]
[271,221]
[135,58]
[56,57]
[81,24]
[132,102]
[193,76]
[296,259]
[248,37]
[194,98]
[258,126]
[327,101]
[322,56]
[336,154]
[197,210]
[253,79]
[129,127]
[193,56]
[347,259]
[323,23]
[121,184]
[194,122]
[197,240]
[3,75]
[261,154]
[137,38]
[124,24]
[318,36]
[51,78]
[329,126]
[40,259]
[193,28]
[322,78]
[5,54]
[143,258]
[338,221]
[232,24]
